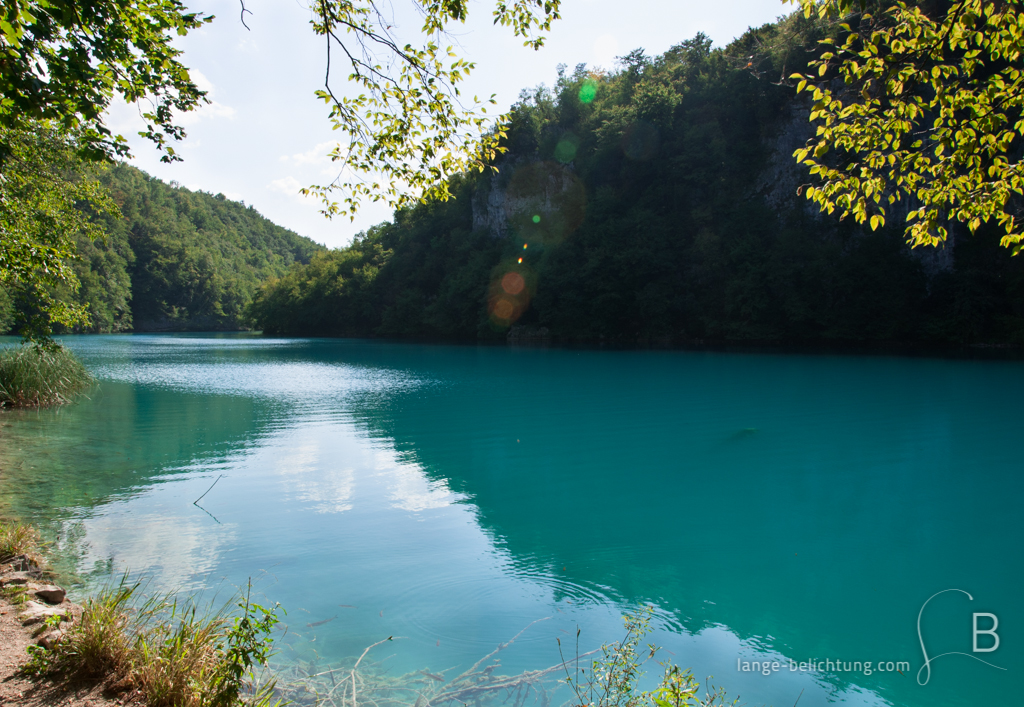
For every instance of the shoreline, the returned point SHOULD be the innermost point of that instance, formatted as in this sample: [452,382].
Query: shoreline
[23,624]
[530,339]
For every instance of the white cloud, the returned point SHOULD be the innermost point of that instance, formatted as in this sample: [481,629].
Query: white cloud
[286,185]
[141,541]
[126,119]
[314,155]
[410,488]
[317,156]
[213,109]
[248,45]
[289,186]
[200,80]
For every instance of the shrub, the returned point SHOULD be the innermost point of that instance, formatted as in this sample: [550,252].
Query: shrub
[614,678]
[34,375]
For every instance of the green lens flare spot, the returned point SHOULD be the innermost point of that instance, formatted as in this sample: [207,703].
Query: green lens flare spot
[536,218]
[588,91]
[565,151]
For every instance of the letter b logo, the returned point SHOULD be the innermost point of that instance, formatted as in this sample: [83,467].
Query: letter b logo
[987,631]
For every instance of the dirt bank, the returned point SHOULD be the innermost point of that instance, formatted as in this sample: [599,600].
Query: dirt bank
[21,625]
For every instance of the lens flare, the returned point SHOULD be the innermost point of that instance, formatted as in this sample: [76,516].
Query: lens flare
[510,291]
[513,283]
[565,150]
[504,309]
[545,202]
[520,260]
[524,245]
[588,91]
[640,141]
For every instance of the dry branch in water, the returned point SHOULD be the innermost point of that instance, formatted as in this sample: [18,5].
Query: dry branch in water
[372,687]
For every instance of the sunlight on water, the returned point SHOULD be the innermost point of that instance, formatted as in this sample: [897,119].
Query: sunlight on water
[779,508]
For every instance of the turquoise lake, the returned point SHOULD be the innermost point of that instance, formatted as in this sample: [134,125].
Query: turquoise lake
[768,506]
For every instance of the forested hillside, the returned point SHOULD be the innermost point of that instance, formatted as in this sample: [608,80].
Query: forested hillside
[658,202]
[179,259]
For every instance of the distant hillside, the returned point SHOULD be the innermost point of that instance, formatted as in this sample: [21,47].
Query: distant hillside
[659,202]
[180,260]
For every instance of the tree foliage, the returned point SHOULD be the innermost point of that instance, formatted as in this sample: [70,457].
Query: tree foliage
[666,207]
[64,61]
[179,259]
[653,203]
[164,258]
[922,103]
[46,196]
[410,128]
[61,65]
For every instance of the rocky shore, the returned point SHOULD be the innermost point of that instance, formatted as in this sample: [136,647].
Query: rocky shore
[35,601]
[28,600]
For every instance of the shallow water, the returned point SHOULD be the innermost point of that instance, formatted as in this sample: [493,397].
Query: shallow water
[769,506]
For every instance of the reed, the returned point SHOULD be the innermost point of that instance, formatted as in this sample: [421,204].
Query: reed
[34,375]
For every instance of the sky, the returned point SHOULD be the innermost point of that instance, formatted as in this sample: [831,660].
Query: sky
[265,135]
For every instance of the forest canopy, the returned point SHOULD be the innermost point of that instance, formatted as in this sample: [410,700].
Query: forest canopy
[167,258]
[62,63]
[656,202]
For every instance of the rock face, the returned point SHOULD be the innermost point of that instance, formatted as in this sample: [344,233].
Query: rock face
[782,176]
[36,601]
[530,196]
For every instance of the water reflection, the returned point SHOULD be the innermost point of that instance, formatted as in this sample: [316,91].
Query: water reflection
[789,507]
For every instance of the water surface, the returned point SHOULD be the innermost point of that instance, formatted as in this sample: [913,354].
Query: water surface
[778,507]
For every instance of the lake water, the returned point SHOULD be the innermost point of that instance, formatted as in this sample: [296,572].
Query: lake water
[779,507]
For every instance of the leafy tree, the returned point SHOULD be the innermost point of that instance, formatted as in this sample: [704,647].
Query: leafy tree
[63,61]
[46,193]
[179,259]
[6,311]
[922,103]
[61,64]
[410,129]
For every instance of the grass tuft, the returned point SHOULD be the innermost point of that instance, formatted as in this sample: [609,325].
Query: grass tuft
[165,652]
[34,375]
[18,539]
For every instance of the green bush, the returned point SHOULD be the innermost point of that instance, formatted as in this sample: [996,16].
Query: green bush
[613,680]
[35,375]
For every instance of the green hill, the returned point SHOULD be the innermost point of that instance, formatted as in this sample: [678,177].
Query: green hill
[178,259]
[658,202]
